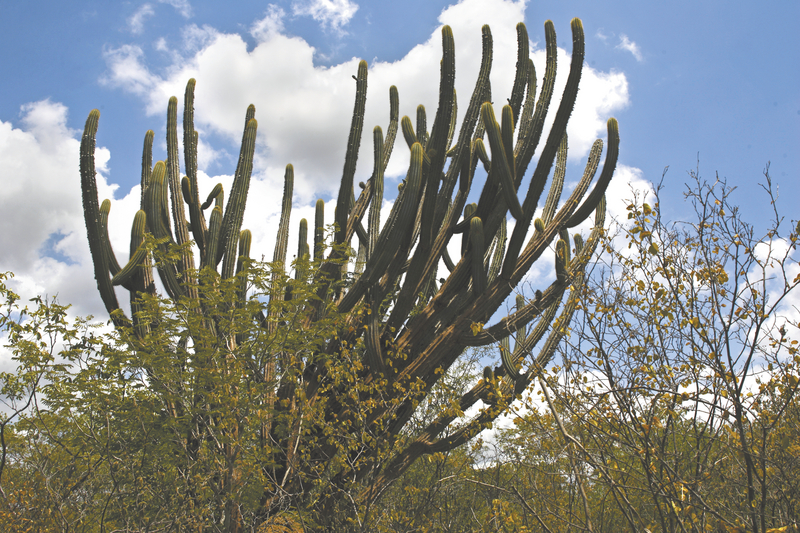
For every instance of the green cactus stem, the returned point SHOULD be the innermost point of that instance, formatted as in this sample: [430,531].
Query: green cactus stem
[476,240]
[215,192]
[234,211]
[124,275]
[302,240]
[351,156]
[507,359]
[91,214]
[319,229]
[422,127]
[147,163]
[214,227]
[377,192]
[591,202]
[501,165]
[282,239]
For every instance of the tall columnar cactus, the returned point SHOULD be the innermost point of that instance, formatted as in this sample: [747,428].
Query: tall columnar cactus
[418,321]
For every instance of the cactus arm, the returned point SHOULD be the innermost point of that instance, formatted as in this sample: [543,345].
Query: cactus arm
[91,214]
[483,155]
[363,236]
[553,293]
[351,156]
[124,275]
[559,331]
[190,139]
[476,241]
[234,211]
[141,281]
[526,120]
[507,136]
[469,212]
[222,245]
[448,261]
[507,358]
[357,214]
[282,239]
[111,258]
[302,240]
[147,164]
[549,152]
[580,189]
[214,226]
[499,252]
[245,240]
[391,131]
[372,343]
[561,261]
[408,131]
[319,229]
[158,222]
[197,222]
[500,163]
[452,129]
[599,190]
[467,173]
[422,128]
[558,182]
[186,262]
[377,191]
[196,219]
[215,192]
[157,219]
[522,329]
[145,281]
[521,77]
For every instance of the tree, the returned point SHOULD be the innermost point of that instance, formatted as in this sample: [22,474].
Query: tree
[250,394]
[675,405]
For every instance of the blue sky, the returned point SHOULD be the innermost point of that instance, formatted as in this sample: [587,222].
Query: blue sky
[718,79]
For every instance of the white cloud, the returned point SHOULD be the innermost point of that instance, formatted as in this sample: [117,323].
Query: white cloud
[196,38]
[183,7]
[304,110]
[136,21]
[127,70]
[304,114]
[630,46]
[270,25]
[42,233]
[329,13]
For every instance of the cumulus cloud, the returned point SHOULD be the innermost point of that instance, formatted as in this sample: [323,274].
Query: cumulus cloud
[331,14]
[127,69]
[304,114]
[42,233]
[630,46]
[136,21]
[304,110]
